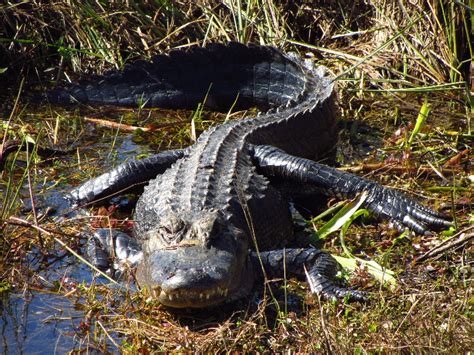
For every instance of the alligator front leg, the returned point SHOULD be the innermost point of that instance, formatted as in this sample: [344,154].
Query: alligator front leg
[384,202]
[126,176]
[319,267]
[111,251]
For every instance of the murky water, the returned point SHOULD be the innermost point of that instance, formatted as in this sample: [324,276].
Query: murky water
[41,320]
[39,323]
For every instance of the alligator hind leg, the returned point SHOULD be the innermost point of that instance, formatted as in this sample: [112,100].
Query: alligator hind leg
[383,202]
[124,177]
[112,251]
[319,267]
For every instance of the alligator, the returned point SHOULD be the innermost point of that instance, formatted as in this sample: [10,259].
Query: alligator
[214,217]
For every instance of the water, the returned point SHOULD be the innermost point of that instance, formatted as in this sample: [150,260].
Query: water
[38,323]
[41,320]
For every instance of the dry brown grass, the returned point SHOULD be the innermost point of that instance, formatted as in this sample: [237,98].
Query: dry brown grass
[429,40]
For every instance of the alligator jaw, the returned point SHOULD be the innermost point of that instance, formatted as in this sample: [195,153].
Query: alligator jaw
[190,298]
[195,273]
[210,297]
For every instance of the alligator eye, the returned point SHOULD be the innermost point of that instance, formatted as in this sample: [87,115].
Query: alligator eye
[167,235]
[171,233]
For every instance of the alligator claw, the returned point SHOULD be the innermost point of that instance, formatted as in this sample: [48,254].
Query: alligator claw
[403,211]
[322,286]
[318,267]
[111,251]
[320,279]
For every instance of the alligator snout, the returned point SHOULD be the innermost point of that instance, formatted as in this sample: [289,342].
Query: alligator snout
[190,276]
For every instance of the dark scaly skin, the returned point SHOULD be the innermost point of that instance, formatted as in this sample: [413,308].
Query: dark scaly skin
[209,208]
[134,173]
[318,267]
[385,203]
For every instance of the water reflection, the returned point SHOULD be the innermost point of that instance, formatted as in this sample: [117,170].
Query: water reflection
[38,323]
[41,321]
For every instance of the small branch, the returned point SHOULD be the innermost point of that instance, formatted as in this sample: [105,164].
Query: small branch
[112,124]
[454,242]
[129,128]
[24,223]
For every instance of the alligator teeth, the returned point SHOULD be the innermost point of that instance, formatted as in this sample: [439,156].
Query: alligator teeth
[223,291]
[185,294]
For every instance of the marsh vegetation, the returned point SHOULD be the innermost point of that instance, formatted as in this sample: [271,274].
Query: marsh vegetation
[406,107]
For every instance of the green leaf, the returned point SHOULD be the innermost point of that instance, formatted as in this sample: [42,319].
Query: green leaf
[420,120]
[380,273]
[341,217]
[327,212]
[350,261]
[345,227]
[30,139]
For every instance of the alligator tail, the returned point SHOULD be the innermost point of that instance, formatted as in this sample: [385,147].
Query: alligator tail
[219,75]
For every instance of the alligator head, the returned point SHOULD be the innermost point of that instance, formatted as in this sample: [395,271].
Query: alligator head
[195,263]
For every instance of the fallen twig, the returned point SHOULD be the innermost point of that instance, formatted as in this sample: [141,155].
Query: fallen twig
[122,126]
[454,242]
[129,128]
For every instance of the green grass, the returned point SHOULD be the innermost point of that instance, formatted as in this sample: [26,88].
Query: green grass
[392,63]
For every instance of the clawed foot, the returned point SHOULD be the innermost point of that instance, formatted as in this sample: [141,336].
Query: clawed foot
[404,212]
[111,251]
[320,279]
